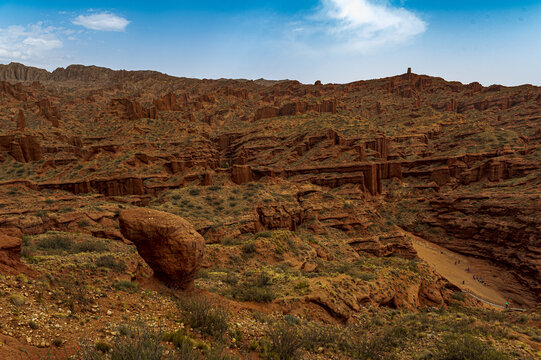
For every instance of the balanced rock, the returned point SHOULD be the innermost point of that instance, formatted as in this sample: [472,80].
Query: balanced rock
[169,244]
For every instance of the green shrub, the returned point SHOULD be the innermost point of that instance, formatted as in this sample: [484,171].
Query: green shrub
[103,347]
[246,292]
[183,343]
[285,341]
[467,347]
[83,223]
[202,315]
[194,192]
[125,285]
[315,335]
[32,325]
[459,296]
[17,300]
[109,261]
[57,342]
[140,343]
[259,289]
[55,243]
[71,292]
[249,248]
[91,246]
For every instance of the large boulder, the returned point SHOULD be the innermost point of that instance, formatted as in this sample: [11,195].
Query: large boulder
[168,243]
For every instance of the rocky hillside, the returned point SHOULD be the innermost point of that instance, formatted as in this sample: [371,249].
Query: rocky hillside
[309,197]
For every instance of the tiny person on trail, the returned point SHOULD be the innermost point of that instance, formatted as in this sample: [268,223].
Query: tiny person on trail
[507,305]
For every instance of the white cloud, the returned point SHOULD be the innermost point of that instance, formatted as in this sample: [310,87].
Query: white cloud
[362,25]
[103,21]
[28,43]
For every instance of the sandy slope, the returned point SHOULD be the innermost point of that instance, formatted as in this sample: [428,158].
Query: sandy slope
[444,262]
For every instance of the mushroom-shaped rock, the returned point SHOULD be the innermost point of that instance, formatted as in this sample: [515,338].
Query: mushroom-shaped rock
[168,243]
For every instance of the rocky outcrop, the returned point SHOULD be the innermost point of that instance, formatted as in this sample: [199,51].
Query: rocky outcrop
[10,248]
[241,174]
[238,93]
[119,187]
[20,120]
[380,145]
[14,91]
[280,216]
[49,112]
[368,175]
[497,170]
[126,109]
[296,108]
[171,102]
[389,244]
[168,243]
[108,187]
[23,148]
[469,168]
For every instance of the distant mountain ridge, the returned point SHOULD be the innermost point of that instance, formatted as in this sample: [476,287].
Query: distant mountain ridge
[78,73]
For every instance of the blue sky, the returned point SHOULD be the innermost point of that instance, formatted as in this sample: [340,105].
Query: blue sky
[329,40]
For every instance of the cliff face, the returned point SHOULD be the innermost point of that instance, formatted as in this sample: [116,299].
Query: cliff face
[19,72]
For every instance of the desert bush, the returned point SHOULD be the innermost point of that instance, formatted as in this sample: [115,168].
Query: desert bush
[17,300]
[126,285]
[83,223]
[140,343]
[259,289]
[466,347]
[285,341]
[264,234]
[217,353]
[55,243]
[71,292]
[245,292]
[103,347]
[249,248]
[90,246]
[459,296]
[201,314]
[33,325]
[109,261]
[183,343]
[315,335]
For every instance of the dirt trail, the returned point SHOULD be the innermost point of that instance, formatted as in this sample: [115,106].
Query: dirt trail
[453,267]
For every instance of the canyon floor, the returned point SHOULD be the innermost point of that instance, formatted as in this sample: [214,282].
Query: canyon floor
[339,220]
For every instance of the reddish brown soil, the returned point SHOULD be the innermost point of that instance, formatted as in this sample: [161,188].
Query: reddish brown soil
[314,191]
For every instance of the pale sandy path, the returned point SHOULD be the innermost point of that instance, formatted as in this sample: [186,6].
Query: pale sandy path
[444,262]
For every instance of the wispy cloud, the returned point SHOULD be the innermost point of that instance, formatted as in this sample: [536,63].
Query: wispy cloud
[361,25]
[27,43]
[104,21]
